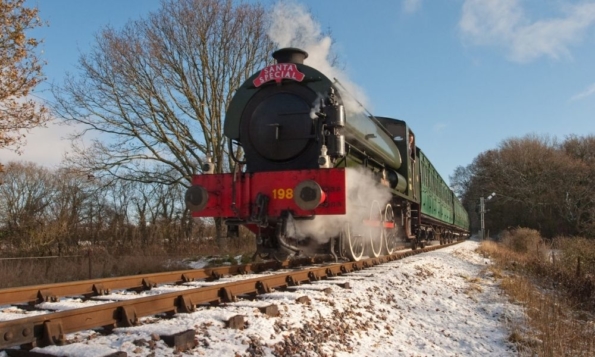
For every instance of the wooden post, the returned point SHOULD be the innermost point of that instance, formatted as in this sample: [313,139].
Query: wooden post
[90,263]
[578,267]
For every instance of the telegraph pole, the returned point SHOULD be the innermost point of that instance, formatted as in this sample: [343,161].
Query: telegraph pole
[482,207]
[482,211]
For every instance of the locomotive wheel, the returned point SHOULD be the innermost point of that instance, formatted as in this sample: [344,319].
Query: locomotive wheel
[422,239]
[355,243]
[375,232]
[391,237]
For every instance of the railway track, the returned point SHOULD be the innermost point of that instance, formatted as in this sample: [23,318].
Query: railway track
[184,291]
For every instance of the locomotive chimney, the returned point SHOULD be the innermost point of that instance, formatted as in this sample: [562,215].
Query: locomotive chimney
[290,55]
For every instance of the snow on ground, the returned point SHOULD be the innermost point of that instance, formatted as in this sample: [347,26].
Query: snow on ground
[442,303]
[204,262]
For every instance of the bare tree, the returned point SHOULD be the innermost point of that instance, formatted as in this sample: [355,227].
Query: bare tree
[579,201]
[540,184]
[524,174]
[461,179]
[20,72]
[25,196]
[160,87]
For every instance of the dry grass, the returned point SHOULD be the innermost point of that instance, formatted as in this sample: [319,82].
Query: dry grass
[575,250]
[52,270]
[559,322]
[496,271]
[556,328]
[128,261]
[525,241]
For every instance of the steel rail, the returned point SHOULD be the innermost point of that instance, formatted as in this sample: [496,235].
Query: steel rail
[47,329]
[35,294]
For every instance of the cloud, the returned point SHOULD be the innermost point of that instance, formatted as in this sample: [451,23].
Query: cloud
[44,146]
[504,23]
[439,127]
[411,6]
[586,93]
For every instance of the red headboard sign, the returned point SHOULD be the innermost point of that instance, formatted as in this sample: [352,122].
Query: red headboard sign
[277,73]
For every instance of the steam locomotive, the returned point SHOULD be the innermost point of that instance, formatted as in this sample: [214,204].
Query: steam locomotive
[320,175]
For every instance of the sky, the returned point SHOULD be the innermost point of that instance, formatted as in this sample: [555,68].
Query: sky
[465,74]
[441,303]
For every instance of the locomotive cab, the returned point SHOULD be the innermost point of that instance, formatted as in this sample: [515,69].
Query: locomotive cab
[404,139]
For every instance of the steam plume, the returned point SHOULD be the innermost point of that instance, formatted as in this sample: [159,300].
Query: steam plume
[293,26]
[362,190]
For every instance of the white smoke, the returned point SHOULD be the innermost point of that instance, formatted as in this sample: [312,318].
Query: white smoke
[362,190]
[293,26]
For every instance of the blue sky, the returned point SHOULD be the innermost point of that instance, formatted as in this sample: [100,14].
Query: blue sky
[465,74]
